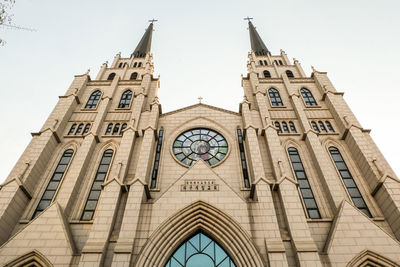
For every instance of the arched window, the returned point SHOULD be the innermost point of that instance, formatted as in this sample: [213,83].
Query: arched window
[116,129]
[134,76]
[156,159]
[109,128]
[292,127]
[72,129]
[275,97]
[265,62]
[276,62]
[308,97]
[123,127]
[87,127]
[330,127]
[135,64]
[285,127]
[111,76]
[278,126]
[261,63]
[120,65]
[95,190]
[304,185]
[289,74]
[125,64]
[79,130]
[125,99]
[348,181]
[322,126]
[243,159]
[200,250]
[280,62]
[51,188]
[267,74]
[315,126]
[93,100]
[140,64]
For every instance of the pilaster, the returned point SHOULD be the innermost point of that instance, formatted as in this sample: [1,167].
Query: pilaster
[267,235]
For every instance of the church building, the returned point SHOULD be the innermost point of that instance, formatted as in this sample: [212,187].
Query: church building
[289,179]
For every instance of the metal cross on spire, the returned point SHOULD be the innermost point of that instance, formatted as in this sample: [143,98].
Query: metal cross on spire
[200,98]
[248,18]
[153,20]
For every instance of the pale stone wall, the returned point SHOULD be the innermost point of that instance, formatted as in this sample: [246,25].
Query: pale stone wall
[265,225]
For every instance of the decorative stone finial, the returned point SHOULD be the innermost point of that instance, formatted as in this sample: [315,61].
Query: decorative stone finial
[200,98]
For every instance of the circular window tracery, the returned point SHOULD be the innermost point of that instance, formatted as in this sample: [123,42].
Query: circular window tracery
[200,143]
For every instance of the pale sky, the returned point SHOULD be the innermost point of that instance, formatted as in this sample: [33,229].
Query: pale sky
[200,49]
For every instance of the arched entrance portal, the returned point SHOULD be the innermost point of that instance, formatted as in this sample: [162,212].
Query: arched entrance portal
[200,251]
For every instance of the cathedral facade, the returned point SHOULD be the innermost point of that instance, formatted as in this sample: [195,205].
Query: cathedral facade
[291,179]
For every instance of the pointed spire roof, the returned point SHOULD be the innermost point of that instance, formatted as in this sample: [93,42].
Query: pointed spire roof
[257,44]
[145,43]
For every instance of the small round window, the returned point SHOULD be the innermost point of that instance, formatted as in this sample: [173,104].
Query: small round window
[200,143]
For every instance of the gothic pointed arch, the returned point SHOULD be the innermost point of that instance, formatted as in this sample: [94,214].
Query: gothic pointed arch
[199,216]
[370,258]
[33,258]
[200,249]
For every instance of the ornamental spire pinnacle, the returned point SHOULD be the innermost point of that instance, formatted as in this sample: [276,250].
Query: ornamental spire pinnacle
[257,44]
[144,46]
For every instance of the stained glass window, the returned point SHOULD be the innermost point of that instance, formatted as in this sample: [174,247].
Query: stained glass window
[305,188]
[200,143]
[349,182]
[95,190]
[125,99]
[200,251]
[93,100]
[55,180]
[308,97]
[275,97]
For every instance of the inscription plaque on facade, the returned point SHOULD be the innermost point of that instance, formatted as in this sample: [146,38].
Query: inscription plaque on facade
[199,185]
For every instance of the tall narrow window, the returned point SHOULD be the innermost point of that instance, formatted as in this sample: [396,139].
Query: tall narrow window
[315,126]
[261,63]
[87,127]
[133,76]
[79,130]
[135,64]
[265,63]
[275,97]
[120,65]
[330,127]
[292,127]
[116,129]
[93,100]
[285,127]
[348,181]
[51,188]
[157,159]
[304,185]
[111,76]
[140,64]
[322,126]
[72,129]
[243,159]
[308,97]
[276,62]
[95,190]
[278,126]
[267,74]
[125,99]
[109,128]
[280,62]
[123,127]
[289,74]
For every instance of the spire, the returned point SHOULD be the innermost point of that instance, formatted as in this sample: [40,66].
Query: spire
[257,44]
[145,43]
